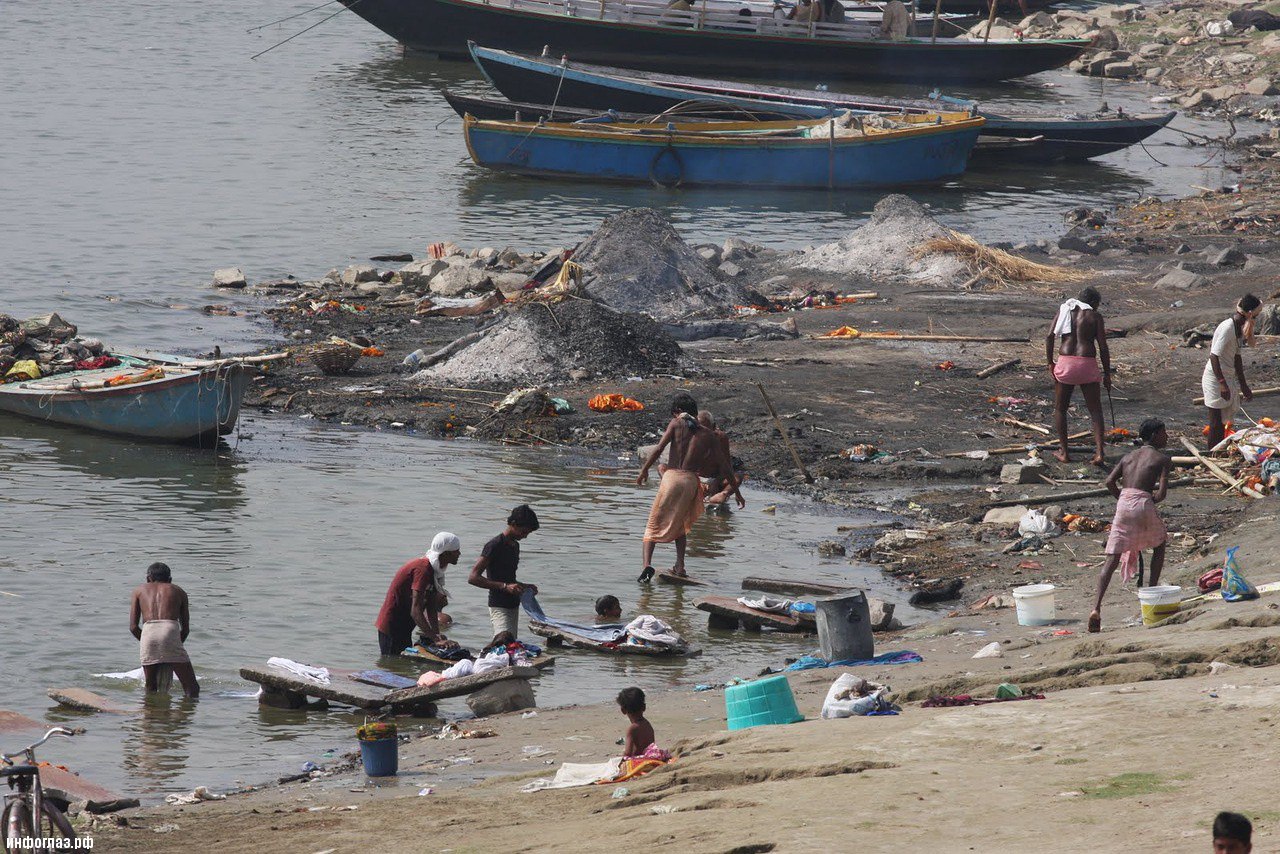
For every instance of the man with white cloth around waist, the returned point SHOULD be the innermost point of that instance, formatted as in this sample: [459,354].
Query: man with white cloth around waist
[1137,524]
[160,618]
[1219,397]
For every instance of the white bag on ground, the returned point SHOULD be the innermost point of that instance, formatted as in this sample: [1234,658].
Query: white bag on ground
[1035,524]
[843,700]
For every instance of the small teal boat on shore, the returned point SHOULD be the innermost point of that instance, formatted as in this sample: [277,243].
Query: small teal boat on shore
[841,153]
[159,399]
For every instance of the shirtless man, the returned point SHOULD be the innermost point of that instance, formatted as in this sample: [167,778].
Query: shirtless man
[1081,337]
[159,617]
[679,501]
[1137,525]
[718,489]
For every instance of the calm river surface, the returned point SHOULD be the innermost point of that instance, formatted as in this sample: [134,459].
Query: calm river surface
[144,148]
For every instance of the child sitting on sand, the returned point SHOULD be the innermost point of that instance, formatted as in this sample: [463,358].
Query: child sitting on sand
[640,736]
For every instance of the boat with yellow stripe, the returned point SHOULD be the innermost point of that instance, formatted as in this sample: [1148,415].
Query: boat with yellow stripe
[848,151]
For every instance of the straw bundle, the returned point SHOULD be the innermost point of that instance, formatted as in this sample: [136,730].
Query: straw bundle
[995,265]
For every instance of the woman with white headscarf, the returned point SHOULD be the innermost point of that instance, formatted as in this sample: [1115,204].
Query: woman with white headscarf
[415,597]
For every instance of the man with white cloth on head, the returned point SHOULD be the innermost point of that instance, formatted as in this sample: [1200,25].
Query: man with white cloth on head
[416,597]
[1219,397]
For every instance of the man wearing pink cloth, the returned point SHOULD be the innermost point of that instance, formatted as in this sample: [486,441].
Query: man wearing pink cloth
[1137,524]
[1080,336]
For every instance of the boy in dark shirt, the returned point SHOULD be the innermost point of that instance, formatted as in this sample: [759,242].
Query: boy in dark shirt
[495,571]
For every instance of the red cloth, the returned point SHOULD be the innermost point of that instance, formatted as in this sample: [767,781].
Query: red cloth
[1077,370]
[395,618]
[97,362]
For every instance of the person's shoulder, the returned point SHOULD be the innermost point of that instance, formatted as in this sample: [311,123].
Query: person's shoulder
[494,543]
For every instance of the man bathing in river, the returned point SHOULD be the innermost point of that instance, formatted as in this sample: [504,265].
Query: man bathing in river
[495,571]
[160,618]
[678,504]
[718,489]
[1221,400]
[1137,525]
[1080,336]
[416,597]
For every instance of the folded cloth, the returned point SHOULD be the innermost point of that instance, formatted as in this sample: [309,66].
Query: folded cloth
[772,604]
[1136,526]
[1077,370]
[572,774]
[162,643]
[462,668]
[306,671]
[649,628]
[1063,324]
[426,680]
[676,507]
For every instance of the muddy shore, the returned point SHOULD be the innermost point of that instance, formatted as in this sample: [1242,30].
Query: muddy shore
[1164,267]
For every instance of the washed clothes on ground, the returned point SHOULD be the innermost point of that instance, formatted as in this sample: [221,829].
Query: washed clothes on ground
[161,643]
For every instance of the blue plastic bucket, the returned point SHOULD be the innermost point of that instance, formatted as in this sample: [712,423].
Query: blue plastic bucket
[764,702]
[381,758]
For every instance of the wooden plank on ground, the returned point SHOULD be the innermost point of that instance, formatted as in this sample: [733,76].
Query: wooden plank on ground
[793,588]
[83,700]
[458,687]
[11,721]
[666,576]
[72,787]
[340,689]
[724,606]
[556,635]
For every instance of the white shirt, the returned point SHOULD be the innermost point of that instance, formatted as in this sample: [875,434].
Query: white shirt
[1226,346]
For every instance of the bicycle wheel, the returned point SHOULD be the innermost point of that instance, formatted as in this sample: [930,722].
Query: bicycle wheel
[56,825]
[16,821]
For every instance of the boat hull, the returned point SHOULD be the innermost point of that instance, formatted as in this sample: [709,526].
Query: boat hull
[1069,139]
[193,407]
[929,154]
[443,27]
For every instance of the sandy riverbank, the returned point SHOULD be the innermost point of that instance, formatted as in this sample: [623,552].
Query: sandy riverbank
[1136,746]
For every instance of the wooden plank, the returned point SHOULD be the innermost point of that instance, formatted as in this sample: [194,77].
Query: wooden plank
[792,588]
[11,721]
[666,576]
[340,689]
[560,636]
[83,700]
[458,687]
[1071,496]
[1217,471]
[70,787]
[750,617]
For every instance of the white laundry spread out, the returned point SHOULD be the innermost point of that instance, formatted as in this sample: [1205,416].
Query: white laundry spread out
[306,671]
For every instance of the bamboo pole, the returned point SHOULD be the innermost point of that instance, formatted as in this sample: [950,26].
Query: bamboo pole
[1072,496]
[991,20]
[1217,471]
[937,12]
[893,336]
[1016,449]
[995,369]
[795,455]
[1262,392]
[1024,425]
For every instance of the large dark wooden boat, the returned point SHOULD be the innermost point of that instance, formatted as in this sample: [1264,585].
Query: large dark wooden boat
[533,80]
[647,34]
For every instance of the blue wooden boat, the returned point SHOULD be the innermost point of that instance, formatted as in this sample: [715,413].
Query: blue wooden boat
[848,152]
[160,399]
[545,80]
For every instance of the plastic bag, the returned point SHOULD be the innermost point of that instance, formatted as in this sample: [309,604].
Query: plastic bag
[1035,524]
[1235,588]
[842,702]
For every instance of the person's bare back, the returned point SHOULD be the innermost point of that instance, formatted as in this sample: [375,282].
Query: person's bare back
[160,600]
[1146,469]
[1083,339]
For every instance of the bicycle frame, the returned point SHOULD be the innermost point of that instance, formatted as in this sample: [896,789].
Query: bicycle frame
[29,790]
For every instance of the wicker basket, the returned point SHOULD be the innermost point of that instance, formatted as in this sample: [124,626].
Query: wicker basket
[334,359]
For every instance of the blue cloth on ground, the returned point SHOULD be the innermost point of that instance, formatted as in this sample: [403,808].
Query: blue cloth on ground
[383,679]
[604,633]
[809,662]
[803,608]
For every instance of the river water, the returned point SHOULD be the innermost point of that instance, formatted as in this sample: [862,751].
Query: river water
[144,148]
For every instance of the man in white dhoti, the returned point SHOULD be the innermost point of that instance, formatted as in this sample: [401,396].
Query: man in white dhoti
[160,618]
[1222,400]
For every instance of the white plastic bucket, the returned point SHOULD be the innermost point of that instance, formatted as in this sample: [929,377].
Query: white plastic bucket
[1035,604]
[1159,603]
